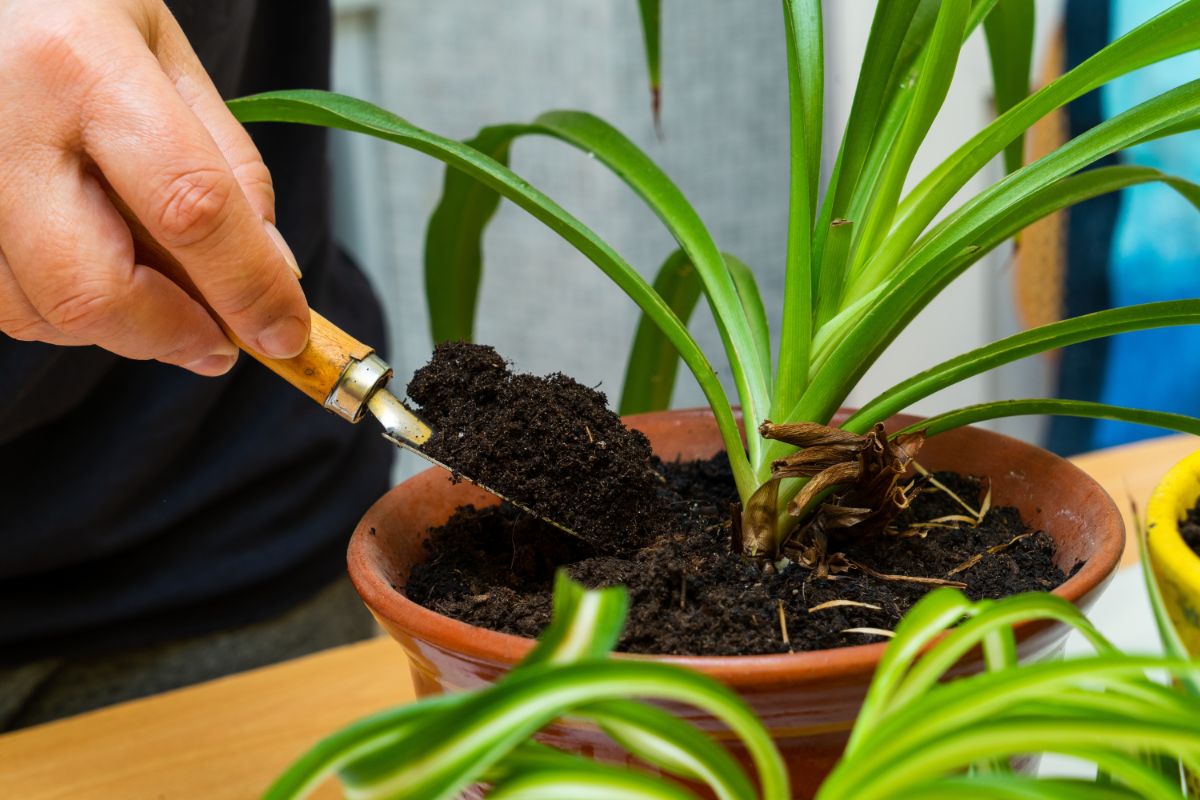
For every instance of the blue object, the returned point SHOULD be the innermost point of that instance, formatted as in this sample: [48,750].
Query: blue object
[1155,250]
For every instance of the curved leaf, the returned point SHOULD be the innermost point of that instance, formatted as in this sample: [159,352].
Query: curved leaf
[454,243]
[663,741]
[1022,345]
[446,752]
[650,372]
[337,111]
[1174,31]
[806,79]
[1065,408]
[933,82]
[597,138]
[1009,31]
[965,236]
[650,12]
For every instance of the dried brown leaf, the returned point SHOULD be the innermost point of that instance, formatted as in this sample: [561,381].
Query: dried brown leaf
[883,576]
[808,434]
[843,604]
[872,632]
[970,562]
[830,478]
[758,520]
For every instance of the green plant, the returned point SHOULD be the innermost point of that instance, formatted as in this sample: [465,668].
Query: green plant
[861,263]
[439,747]
[918,736]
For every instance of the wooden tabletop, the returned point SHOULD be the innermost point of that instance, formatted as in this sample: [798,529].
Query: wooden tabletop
[227,739]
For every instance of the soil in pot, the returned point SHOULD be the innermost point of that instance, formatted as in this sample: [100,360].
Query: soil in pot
[663,530]
[1189,528]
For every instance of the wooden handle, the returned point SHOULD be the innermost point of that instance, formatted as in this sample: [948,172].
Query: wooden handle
[318,368]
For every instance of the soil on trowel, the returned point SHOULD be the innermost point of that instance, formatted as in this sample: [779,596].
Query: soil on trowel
[1189,528]
[547,443]
[664,530]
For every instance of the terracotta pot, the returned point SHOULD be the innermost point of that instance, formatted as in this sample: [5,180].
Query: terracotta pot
[808,701]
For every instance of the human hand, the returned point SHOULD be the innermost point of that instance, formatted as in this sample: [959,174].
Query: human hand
[110,91]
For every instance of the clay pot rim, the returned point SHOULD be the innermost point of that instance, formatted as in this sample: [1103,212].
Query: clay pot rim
[493,647]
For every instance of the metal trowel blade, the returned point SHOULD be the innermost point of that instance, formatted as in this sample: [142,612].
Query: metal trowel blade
[406,430]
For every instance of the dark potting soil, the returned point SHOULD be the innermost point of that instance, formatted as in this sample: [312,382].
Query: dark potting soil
[663,529]
[1189,528]
[690,594]
[549,444]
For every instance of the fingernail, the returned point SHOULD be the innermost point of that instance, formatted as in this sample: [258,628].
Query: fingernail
[217,364]
[283,338]
[283,248]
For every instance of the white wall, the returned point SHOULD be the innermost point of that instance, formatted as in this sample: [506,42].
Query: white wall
[456,65]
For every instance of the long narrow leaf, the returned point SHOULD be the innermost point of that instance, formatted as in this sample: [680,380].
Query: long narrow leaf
[1021,345]
[751,302]
[650,12]
[933,83]
[596,137]
[1173,645]
[445,753]
[332,110]
[661,740]
[1009,32]
[942,257]
[650,371]
[1175,31]
[806,76]
[1066,408]
[454,243]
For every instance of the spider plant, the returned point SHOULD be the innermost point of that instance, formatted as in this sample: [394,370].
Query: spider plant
[863,256]
[441,746]
[918,735]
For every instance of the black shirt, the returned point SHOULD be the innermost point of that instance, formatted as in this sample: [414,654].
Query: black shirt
[139,502]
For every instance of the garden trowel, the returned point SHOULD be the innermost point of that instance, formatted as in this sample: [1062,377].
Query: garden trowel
[335,369]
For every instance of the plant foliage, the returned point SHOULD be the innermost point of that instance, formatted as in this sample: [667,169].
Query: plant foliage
[441,746]
[863,261]
[923,733]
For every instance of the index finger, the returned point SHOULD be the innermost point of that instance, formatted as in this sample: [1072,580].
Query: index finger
[164,164]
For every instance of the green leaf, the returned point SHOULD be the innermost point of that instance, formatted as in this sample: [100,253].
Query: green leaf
[806,87]
[933,82]
[354,741]
[597,138]
[1000,714]
[664,198]
[1064,408]
[586,782]
[1019,788]
[886,44]
[1173,645]
[965,235]
[650,12]
[666,742]
[454,243]
[1009,32]
[924,622]
[585,624]
[1022,345]
[447,752]
[752,305]
[650,374]
[1175,31]
[336,111]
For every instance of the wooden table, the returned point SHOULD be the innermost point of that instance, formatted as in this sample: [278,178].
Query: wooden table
[230,737]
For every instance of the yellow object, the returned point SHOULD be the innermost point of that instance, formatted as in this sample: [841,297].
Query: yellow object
[1175,565]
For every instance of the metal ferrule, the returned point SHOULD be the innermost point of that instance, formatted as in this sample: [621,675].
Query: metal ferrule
[359,381]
